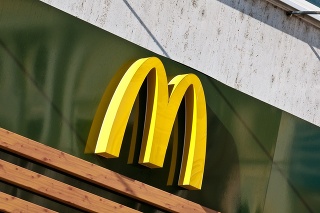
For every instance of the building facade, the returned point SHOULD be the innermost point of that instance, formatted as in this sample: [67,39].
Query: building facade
[259,68]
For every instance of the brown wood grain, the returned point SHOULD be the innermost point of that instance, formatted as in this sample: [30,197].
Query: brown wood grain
[56,190]
[10,203]
[95,174]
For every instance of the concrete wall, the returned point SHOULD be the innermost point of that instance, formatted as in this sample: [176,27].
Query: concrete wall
[249,45]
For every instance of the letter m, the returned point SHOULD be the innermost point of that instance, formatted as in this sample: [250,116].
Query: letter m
[108,127]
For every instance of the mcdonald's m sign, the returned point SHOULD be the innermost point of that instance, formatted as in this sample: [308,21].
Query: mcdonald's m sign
[110,121]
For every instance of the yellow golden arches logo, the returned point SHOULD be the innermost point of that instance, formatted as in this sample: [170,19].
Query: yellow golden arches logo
[108,127]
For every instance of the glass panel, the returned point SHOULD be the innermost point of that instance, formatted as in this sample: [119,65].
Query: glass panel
[315,2]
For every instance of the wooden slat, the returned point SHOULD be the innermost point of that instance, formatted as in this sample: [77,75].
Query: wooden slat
[95,174]
[10,203]
[56,190]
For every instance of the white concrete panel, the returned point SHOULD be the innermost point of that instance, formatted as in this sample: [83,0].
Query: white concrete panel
[249,45]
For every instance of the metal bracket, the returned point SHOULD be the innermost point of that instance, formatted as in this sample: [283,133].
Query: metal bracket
[290,13]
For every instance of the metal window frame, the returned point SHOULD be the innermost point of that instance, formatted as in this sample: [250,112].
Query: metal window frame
[302,5]
[299,5]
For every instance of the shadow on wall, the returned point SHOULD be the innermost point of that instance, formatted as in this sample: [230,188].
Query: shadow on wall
[147,29]
[314,51]
[303,166]
[277,18]
[221,181]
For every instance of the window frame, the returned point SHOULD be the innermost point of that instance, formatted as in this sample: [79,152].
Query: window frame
[302,5]
[299,5]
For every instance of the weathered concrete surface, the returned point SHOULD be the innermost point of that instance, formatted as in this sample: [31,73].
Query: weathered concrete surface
[249,45]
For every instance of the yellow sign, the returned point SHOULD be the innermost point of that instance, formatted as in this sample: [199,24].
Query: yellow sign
[108,127]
